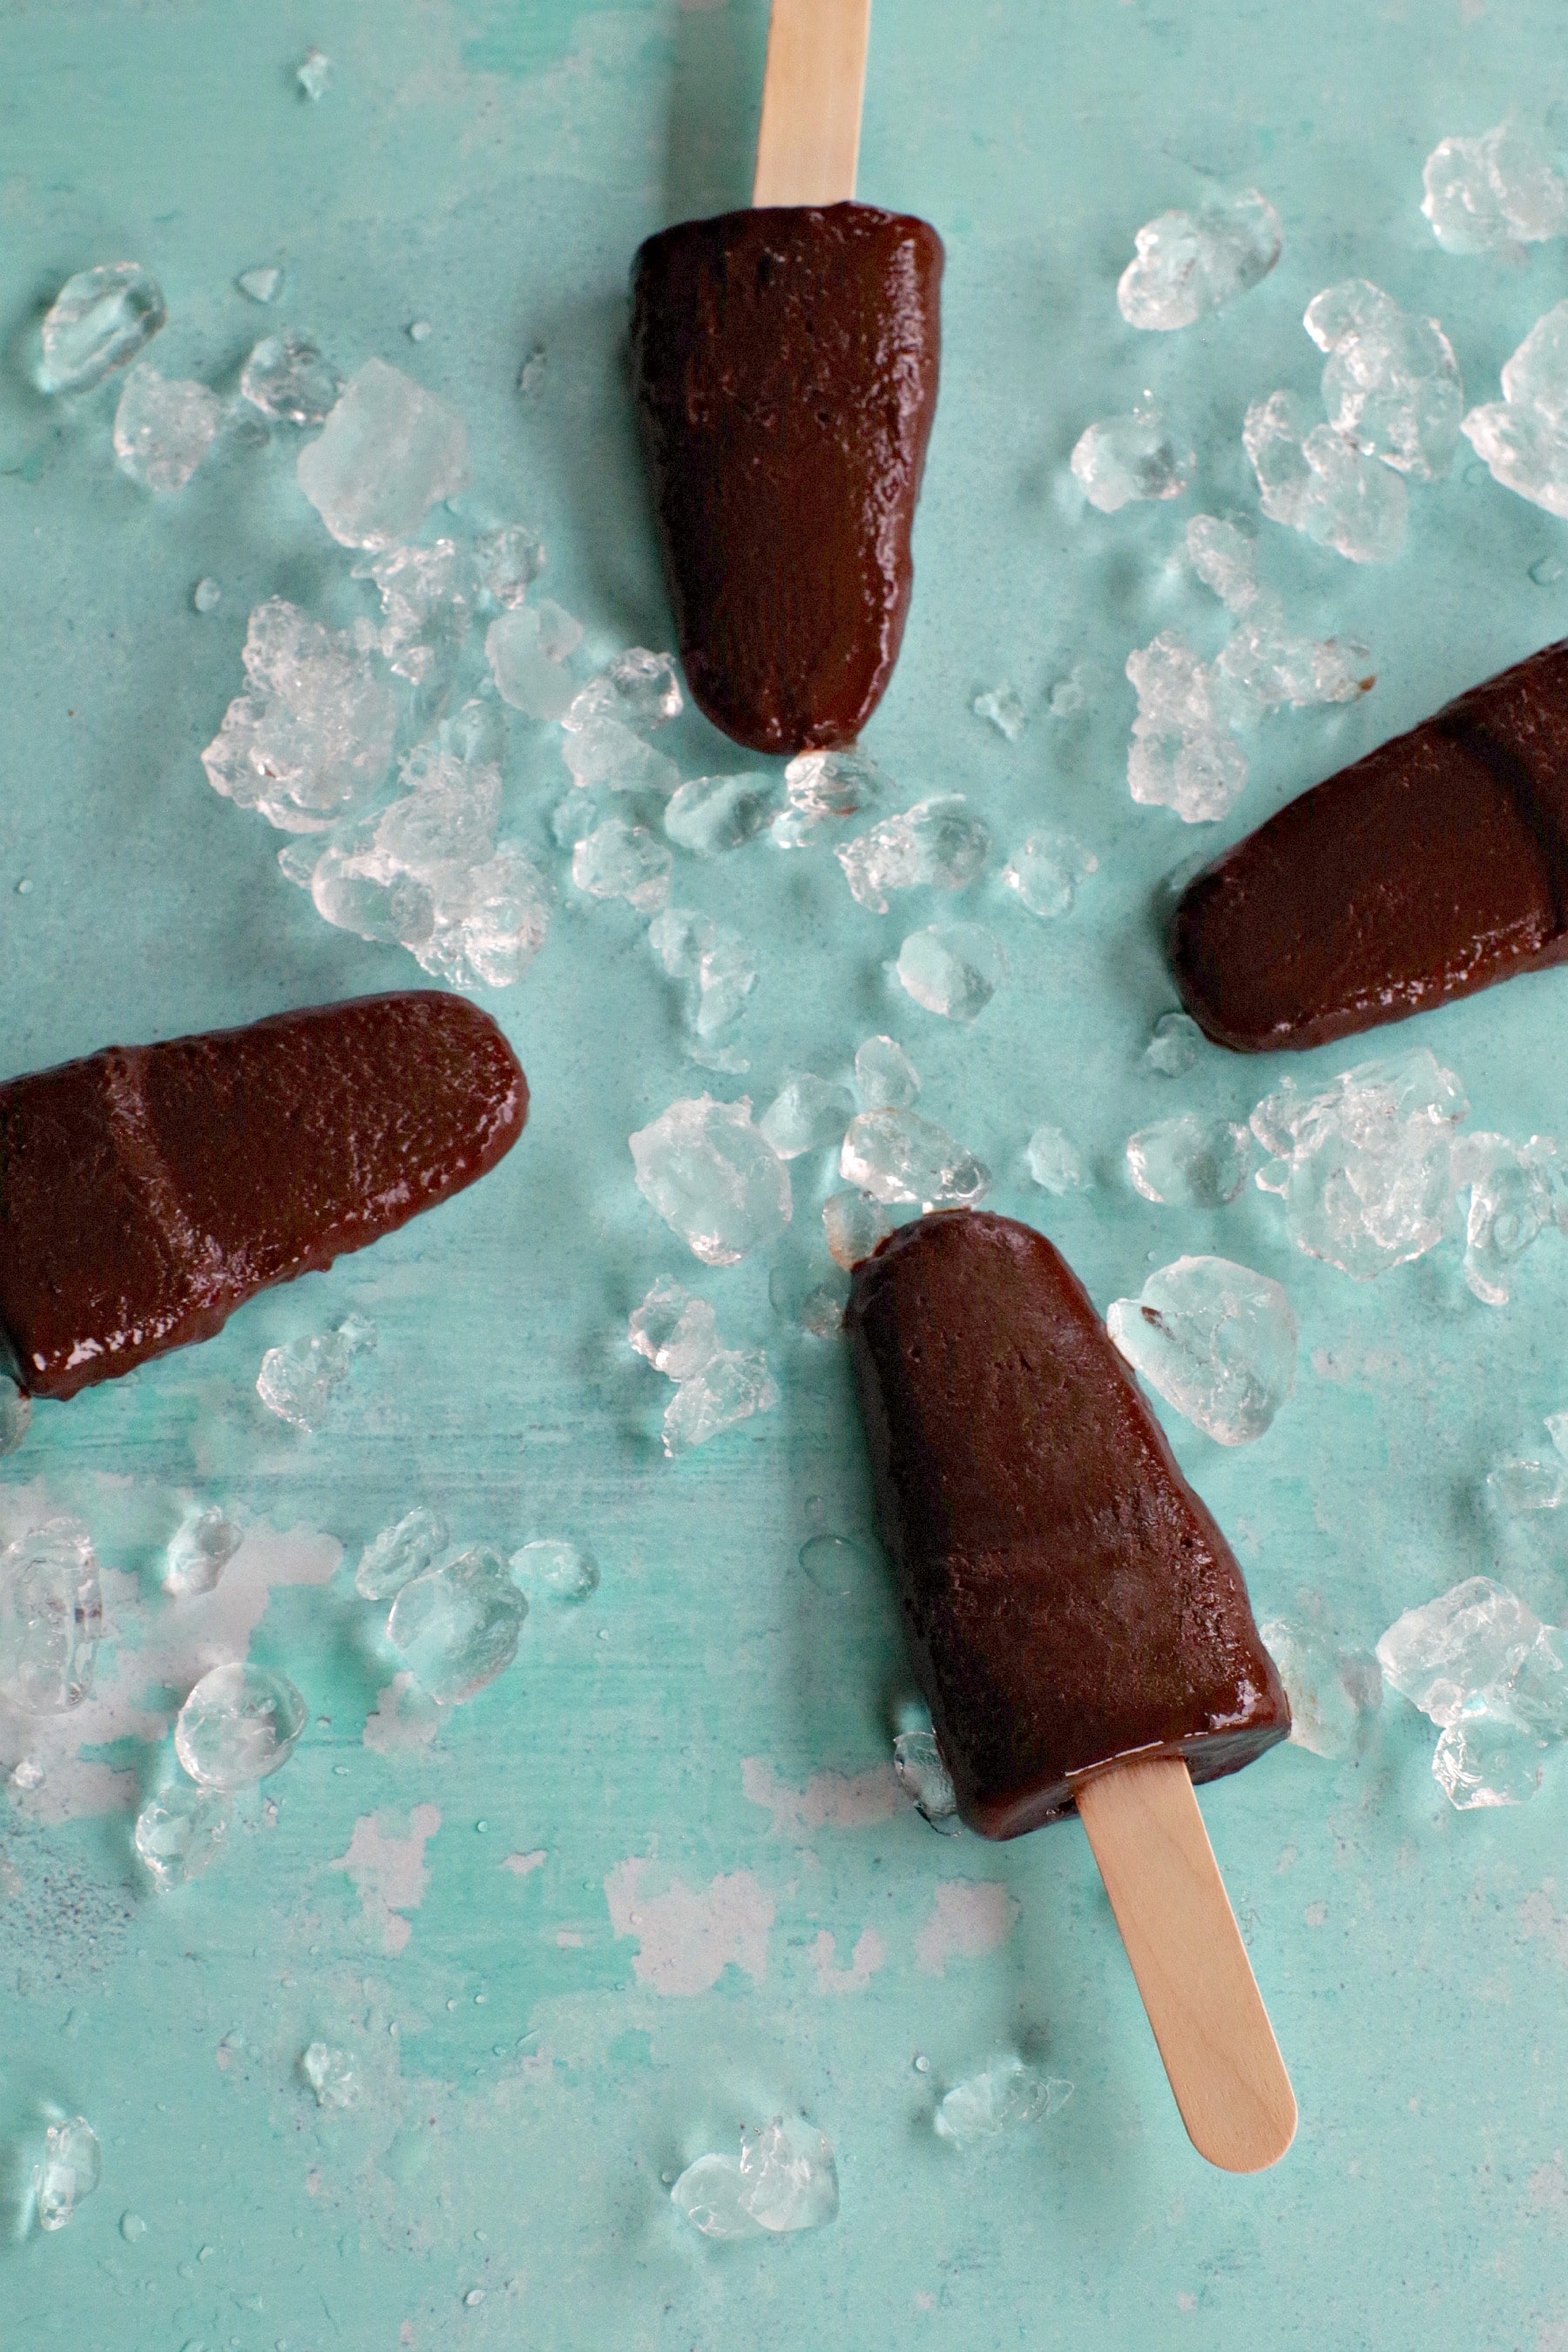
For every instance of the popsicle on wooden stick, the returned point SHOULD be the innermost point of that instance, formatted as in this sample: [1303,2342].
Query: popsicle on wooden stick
[1079,1624]
[786,362]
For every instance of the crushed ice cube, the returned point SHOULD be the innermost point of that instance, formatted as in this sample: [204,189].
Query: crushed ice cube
[789,2179]
[714,814]
[1056,1163]
[1486,1761]
[1183,755]
[937,844]
[388,453]
[885,1077]
[1533,1485]
[709,2195]
[1047,871]
[1001,705]
[98,322]
[1365,1169]
[1216,1340]
[1190,1162]
[330,2073]
[550,1564]
[162,430]
[521,648]
[207,595]
[896,1156]
[606,755]
[678,1333]
[1494,191]
[15,1414]
[1523,437]
[399,1553]
[618,860]
[509,559]
[713,1179]
[733,1384]
[51,1617]
[1189,264]
[1225,560]
[922,1775]
[298,1382]
[1005,2097]
[315,74]
[1318,481]
[1462,1650]
[807,1114]
[1263,665]
[1517,1191]
[239,1724]
[69,2168]
[822,786]
[180,1832]
[428,595]
[287,378]
[717,966]
[263,283]
[199,1551]
[954,969]
[1123,458]
[1333,1697]
[1392,383]
[312,736]
[1174,1048]
[457,1627]
[853,1225]
[641,689]
[1068,698]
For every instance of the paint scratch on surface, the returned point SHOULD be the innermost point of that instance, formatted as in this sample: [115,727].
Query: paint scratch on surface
[829,1800]
[387,1865]
[1537,1918]
[1546,2190]
[520,1865]
[687,1938]
[971,1916]
[402,1718]
[869,1954]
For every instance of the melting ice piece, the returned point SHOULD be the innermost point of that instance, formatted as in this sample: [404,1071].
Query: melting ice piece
[69,2168]
[923,1777]
[550,1564]
[207,595]
[457,1627]
[1497,190]
[312,736]
[789,2179]
[527,649]
[1392,383]
[180,1832]
[677,1333]
[315,74]
[1487,1760]
[263,283]
[1524,436]
[1123,458]
[717,964]
[1056,1163]
[1006,2096]
[509,559]
[1184,755]
[1225,560]
[708,2194]
[641,689]
[1002,706]
[618,860]
[853,1225]
[98,322]
[1190,1162]
[954,969]
[713,813]
[1465,1651]
[896,1156]
[388,451]
[1365,1169]
[1517,1190]
[1320,482]
[330,2073]
[239,1724]
[1216,1340]
[606,754]
[1189,264]
[298,1382]
[287,379]
[1174,1048]
[822,786]
[936,845]
[712,1178]
[807,1114]
[1047,871]
[51,1618]
[1333,1697]
[427,594]
[885,1077]
[199,1552]
[162,430]
[399,1553]
[733,1384]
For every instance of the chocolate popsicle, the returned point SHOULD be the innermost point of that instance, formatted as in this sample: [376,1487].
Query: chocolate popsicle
[146,1192]
[1436,867]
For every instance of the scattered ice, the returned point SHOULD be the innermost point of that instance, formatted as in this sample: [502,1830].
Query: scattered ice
[262,284]
[807,1114]
[399,1553]
[896,1156]
[618,860]
[26,1777]
[713,813]
[239,1724]
[457,1627]
[822,786]
[1056,1163]
[51,1618]
[162,430]
[1494,191]
[1005,2097]
[853,1225]
[509,559]
[1491,1676]
[1192,263]
[789,2179]
[641,689]
[717,966]
[312,736]
[1226,560]
[552,1565]
[527,648]
[388,451]
[1487,1762]
[953,969]
[1365,1169]
[1216,1340]
[1002,706]
[1047,871]
[1123,458]
[330,2073]
[1174,1048]
[199,1552]
[678,1333]
[1333,1697]
[713,1179]
[606,754]
[885,1077]
[1184,755]
[1516,1486]
[1392,384]
[733,1385]
[1523,437]
[1318,481]
[180,1832]
[207,595]
[287,379]
[298,1382]
[69,2168]
[709,2195]
[1516,1191]
[315,74]
[923,1777]
[936,845]
[531,375]
[420,330]
[1069,697]
[1190,1162]
[15,1414]
[98,322]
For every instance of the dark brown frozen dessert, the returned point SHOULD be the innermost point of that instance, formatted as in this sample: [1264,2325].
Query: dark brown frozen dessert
[148,1190]
[1069,1601]
[1436,867]
[785,367]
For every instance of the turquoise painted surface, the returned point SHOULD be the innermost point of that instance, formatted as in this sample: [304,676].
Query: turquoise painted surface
[490,168]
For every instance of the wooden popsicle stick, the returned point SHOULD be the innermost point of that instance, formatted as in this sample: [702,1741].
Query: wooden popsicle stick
[1190,1962]
[810,138]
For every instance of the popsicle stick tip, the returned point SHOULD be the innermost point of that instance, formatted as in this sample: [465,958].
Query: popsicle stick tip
[809,146]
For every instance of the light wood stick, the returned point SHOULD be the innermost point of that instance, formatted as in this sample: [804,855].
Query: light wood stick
[1191,1968]
[810,140]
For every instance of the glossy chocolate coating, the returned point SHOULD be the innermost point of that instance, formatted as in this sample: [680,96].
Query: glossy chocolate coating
[786,366]
[148,1190]
[1436,867]
[1069,1601]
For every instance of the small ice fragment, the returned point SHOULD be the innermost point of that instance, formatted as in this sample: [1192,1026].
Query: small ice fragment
[51,1618]
[1007,2096]
[312,736]
[199,1552]
[420,330]
[1226,560]
[180,1832]
[638,688]
[835,1566]
[718,966]
[1188,264]
[1366,1168]
[1216,1340]
[677,1333]
[1516,1486]
[1332,1697]
[827,786]
[298,1382]
[1183,755]
[896,1156]
[531,374]
[853,1225]
[618,860]
[733,1384]
[953,969]
[552,1565]
[708,2194]
[1002,706]
[713,813]
[885,1077]
[1190,1162]
[315,74]
[163,431]
[207,595]
[1046,873]
[399,1553]
[1318,481]
[1487,1762]
[1174,1048]
[70,2168]
[605,754]
[1462,1650]
[1123,458]
[1392,383]
[287,379]
[789,2179]
[98,322]
[1068,698]
[330,2073]
[15,1414]
[1514,1193]
[457,1627]
[1056,1163]
[713,1179]
[27,1776]
[1523,437]
[806,1115]
[388,453]
[1494,191]
[132,2228]
[923,1777]
[262,284]
[509,561]
[1265,667]
[936,845]
[530,674]
[239,1724]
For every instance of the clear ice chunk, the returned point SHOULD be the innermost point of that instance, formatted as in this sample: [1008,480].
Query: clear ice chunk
[1263,667]
[287,379]
[639,689]
[1517,1191]
[199,1551]
[604,755]
[330,2073]
[828,786]
[263,283]
[51,1618]
[15,1414]
[1495,190]
[921,1772]
[677,1333]
[1461,1652]
[69,2169]
[714,814]
[162,430]
[456,1627]
[1392,384]
[1049,872]
[388,453]
[1123,458]
[400,1553]
[312,736]
[853,1225]
[1365,1169]
[1188,264]
[180,1832]
[509,559]
[1333,1698]
[529,672]
[1006,2096]
[896,1156]
[98,322]
[885,1077]
[1002,706]
[954,969]
[709,2195]
[1318,481]
[1056,1163]
[618,860]
[550,1564]
[1184,755]
[1174,1048]
[207,595]
[733,1384]
[1216,1340]
[713,1179]
[315,74]
[789,2178]
[937,844]
[1226,560]
[239,1724]
[1523,437]
[717,966]
[1190,1162]
[298,1381]
[1486,1761]
[807,1114]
